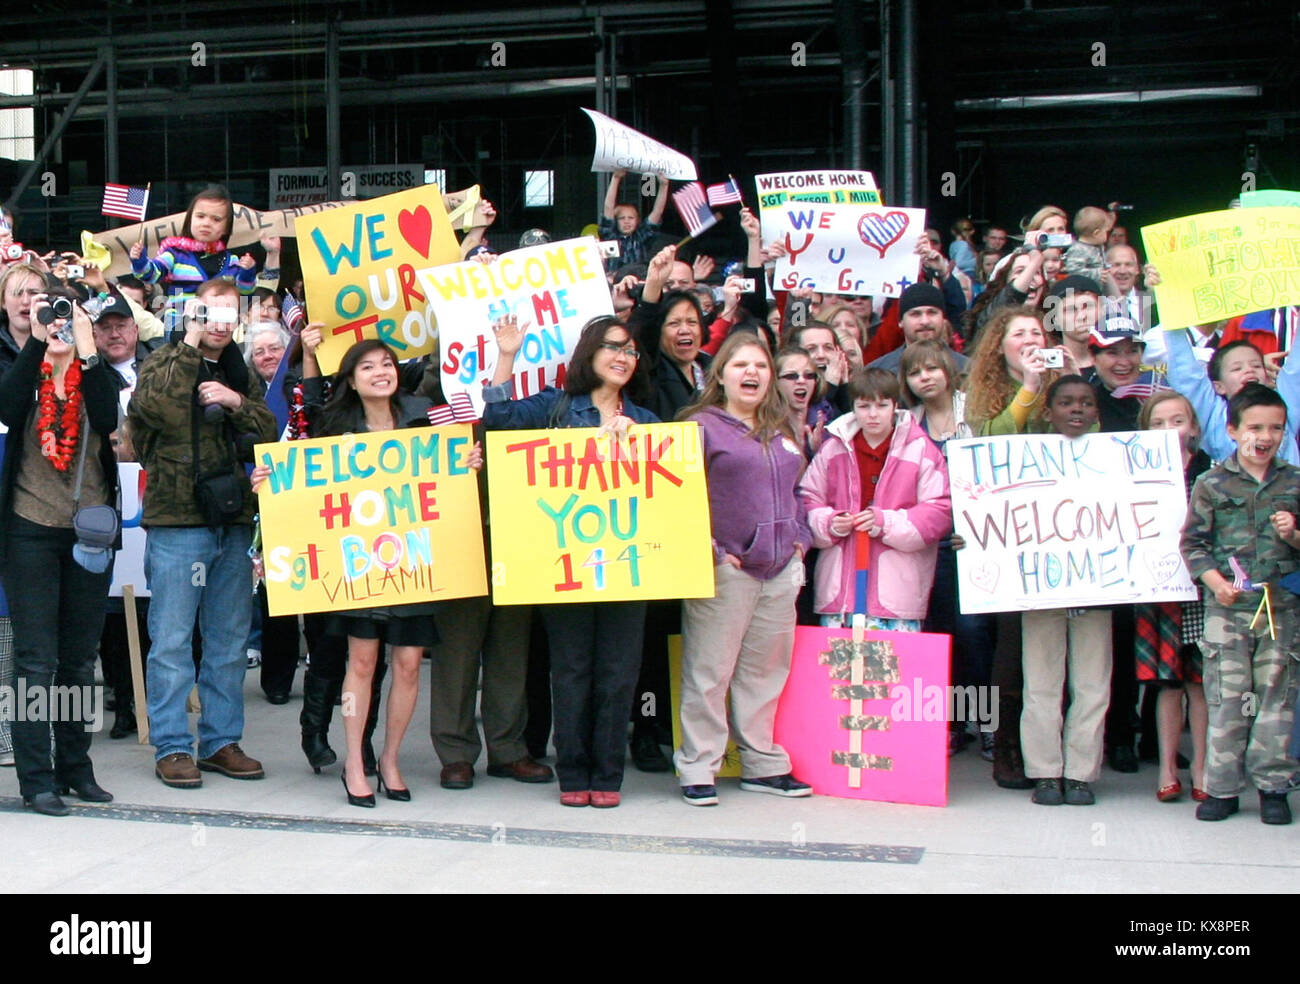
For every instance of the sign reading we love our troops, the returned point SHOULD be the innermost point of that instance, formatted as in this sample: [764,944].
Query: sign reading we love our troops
[1051,522]
[370,520]
[553,289]
[577,516]
[358,268]
[838,237]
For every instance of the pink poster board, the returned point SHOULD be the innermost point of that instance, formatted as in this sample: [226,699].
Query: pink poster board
[900,708]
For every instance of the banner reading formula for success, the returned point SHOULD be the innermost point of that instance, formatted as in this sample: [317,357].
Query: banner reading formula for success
[578,517]
[371,520]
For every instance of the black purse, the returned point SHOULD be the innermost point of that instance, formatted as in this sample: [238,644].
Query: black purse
[96,527]
[219,494]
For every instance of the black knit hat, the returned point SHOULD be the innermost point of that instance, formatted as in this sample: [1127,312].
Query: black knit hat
[920,295]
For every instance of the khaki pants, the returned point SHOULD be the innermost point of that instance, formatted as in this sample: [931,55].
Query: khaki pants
[1054,646]
[741,638]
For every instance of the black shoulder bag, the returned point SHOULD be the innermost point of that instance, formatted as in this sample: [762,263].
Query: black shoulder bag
[218,494]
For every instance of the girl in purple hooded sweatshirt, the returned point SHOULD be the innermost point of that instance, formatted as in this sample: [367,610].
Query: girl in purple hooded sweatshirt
[743,637]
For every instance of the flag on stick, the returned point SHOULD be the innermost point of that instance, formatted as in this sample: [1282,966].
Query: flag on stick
[694,209]
[292,314]
[727,193]
[125,202]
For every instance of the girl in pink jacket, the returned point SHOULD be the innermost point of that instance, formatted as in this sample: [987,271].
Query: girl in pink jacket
[878,482]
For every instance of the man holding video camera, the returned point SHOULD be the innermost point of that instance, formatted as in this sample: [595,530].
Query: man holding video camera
[194,420]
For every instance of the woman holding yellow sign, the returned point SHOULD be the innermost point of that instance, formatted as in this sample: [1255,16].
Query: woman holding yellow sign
[366,399]
[595,646]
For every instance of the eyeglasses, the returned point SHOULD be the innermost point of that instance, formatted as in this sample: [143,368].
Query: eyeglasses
[794,377]
[627,350]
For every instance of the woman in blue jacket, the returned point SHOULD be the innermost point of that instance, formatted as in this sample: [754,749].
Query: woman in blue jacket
[595,646]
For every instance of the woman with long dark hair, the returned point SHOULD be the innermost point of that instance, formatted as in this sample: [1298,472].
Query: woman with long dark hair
[595,646]
[743,637]
[366,399]
[59,402]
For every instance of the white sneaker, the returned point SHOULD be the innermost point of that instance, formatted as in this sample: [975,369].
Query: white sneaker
[254,658]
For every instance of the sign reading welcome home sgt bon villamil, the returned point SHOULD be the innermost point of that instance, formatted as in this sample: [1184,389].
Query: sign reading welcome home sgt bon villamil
[1051,522]
[371,520]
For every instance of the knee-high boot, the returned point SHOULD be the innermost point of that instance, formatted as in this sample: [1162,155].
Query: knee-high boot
[318,692]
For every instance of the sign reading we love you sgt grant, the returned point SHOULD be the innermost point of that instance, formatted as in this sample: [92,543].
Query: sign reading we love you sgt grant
[358,269]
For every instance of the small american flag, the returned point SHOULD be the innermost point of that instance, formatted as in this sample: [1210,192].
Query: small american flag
[459,410]
[727,193]
[694,210]
[1240,579]
[292,314]
[125,201]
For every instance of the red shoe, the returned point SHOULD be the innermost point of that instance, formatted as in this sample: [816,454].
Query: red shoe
[582,798]
[1200,795]
[603,799]
[1167,794]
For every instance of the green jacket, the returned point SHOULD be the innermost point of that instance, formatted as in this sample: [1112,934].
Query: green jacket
[159,418]
[1228,516]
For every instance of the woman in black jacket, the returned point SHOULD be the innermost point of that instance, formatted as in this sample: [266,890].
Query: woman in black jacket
[60,405]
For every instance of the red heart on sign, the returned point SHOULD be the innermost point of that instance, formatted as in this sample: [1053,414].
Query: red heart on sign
[882,231]
[416,227]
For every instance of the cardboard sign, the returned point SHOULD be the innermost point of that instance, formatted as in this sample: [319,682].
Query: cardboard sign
[128,564]
[1218,265]
[297,186]
[249,226]
[577,517]
[620,148]
[1055,523]
[850,248]
[892,691]
[370,520]
[358,267]
[554,289]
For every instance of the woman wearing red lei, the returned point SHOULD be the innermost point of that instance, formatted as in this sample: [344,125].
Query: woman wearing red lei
[60,405]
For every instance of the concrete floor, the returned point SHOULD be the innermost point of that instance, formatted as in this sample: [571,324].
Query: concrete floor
[293,832]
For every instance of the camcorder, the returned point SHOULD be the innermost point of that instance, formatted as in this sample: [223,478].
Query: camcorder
[59,307]
[1055,240]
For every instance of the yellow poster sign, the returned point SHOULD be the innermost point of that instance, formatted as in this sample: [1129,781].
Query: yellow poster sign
[578,517]
[358,268]
[1217,265]
[371,520]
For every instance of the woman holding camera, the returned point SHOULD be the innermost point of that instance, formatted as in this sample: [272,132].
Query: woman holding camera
[59,402]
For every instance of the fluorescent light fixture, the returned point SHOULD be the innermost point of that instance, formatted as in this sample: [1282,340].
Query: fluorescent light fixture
[1109,98]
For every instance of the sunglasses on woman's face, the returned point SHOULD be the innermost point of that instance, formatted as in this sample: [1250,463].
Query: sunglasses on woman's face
[794,377]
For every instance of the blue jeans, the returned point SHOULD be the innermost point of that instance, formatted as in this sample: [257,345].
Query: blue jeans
[197,569]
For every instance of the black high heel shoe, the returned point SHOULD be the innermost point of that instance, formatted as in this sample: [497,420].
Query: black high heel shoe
[356,800]
[401,795]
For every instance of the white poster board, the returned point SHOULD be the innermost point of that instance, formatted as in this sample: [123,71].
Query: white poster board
[1051,522]
[620,148]
[128,565]
[554,289]
[838,238]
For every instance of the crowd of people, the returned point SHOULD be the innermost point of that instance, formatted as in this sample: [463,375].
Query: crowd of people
[824,422]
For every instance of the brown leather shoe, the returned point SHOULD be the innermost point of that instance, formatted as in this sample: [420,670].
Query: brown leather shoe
[231,761]
[523,770]
[177,769]
[457,775]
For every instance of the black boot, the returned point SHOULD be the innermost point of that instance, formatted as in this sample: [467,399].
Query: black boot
[1008,763]
[317,711]
[368,761]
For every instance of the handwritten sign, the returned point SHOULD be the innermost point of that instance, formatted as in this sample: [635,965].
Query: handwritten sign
[371,520]
[1218,265]
[817,187]
[358,267]
[844,248]
[554,289]
[576,517]
[892,689]
[620,148]
[1270,196]
[1055,523]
